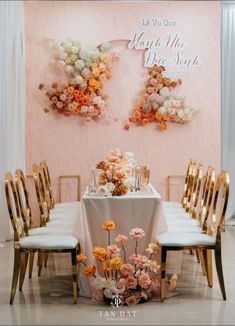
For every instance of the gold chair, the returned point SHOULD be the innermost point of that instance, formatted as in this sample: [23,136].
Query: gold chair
[48,189]
[205,242]
[25,243]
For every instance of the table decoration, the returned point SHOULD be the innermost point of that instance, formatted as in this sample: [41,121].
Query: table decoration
[134,279]
[119,173]
[86,69]
[158,103]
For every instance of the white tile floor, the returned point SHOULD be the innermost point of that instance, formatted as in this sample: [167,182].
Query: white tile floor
[48,301]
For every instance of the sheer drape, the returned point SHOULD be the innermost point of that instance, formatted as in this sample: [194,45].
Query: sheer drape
[12,106]
[228,98]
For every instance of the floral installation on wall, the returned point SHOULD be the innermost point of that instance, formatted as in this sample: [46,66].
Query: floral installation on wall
[86,69]
[134,279]
[158,103]
[115,173]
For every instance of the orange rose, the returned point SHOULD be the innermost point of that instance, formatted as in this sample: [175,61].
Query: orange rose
[100,253]
[93,83]
[81,258]
[109,225]
[145,121]
[162,126]
[137,114]
[106,266]
[89,270]
[70,89]
[166,117]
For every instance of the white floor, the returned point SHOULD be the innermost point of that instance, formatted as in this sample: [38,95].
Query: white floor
[48,300]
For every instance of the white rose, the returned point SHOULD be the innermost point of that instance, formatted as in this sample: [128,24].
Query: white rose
[79,64]
[69,69]
[162,110]
[74,49]
[78,79]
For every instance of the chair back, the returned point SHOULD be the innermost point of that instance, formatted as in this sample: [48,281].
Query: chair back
[41,194]
[187,184]
[23,196]
[19,227]
[196,190]
[47,179]
[219,205]
[204,196]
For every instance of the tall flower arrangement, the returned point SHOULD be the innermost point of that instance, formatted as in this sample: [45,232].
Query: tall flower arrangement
[159,104]
[114,173]
[135,279]
[86,70]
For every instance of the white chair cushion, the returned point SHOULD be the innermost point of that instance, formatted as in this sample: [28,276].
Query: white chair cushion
[182,221]
[177,215]
[49,242]
[174,239]
[68,205]
[184,228]
[51,230]
[60,223]
[171,204]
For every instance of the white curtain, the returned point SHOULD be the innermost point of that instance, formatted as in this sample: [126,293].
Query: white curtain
[228,97]
[12,99]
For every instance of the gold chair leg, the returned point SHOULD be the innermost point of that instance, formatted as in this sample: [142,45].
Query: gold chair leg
[74,271]
[208,266]
[45,259]
[23,266]
[40,263]
[163,273]
[219,269]
[15,274]
[203,265]
[197,255]
[31,260]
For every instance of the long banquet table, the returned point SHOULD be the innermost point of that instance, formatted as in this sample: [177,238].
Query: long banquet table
[137,209]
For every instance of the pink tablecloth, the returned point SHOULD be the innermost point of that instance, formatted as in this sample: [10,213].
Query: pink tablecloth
[143,210]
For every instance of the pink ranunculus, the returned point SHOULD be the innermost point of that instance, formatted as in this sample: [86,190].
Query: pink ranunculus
[137,233]
[144,280]
[131,301]
[98,295]
[113,250]
[139,260]
[63,97]
[121,238]
[127,269]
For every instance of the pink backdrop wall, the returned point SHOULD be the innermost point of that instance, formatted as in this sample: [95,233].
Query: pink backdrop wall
[71,147]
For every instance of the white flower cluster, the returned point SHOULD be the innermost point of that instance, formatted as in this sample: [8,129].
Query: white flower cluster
[109,286]
[167,103]
[77,61]
[105,190]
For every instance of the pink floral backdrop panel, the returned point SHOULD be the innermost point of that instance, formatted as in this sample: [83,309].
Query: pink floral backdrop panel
[72,146]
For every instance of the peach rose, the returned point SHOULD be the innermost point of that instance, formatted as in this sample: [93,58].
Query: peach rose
[139,260]
[121,238]
[113,250]
[131,301]
[131,282]
[98,295]
[144,280]
[127,269]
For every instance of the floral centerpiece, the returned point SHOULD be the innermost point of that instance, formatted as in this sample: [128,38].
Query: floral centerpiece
[158,103]
[134,280]
[115,173]
[86,68]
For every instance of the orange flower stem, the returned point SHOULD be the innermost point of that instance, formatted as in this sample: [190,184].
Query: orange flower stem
[124,253]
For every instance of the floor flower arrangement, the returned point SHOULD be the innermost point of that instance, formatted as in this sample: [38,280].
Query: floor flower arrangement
[134,279]
[158,103]
[86,70]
